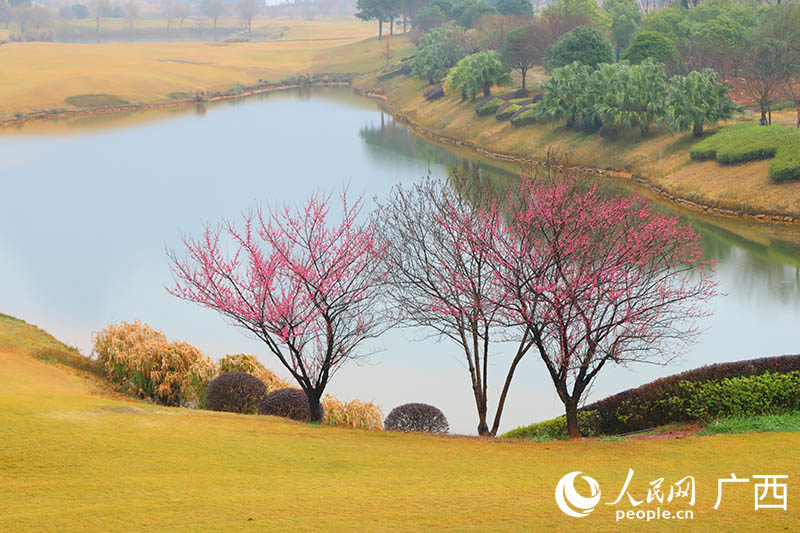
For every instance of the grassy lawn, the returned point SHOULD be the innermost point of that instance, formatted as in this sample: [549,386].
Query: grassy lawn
[43,76]
[74,459]
[662,157]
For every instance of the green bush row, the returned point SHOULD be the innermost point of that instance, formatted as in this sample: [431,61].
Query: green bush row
[490,106]
[507,112]
[740,143]
[556,429]
[685,401]
[527,116]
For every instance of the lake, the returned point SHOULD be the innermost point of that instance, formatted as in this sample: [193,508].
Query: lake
[89,205]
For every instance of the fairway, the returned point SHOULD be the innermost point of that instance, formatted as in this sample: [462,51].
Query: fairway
[147,73]
[73,459]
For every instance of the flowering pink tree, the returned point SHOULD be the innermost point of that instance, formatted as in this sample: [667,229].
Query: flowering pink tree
[440,278]
[304,287]
[596,279]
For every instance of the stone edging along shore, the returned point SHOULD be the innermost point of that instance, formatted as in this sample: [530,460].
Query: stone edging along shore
[43,115]
[643,181]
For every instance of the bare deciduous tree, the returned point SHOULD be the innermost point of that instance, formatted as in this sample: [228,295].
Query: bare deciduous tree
[439,284]
[248,9]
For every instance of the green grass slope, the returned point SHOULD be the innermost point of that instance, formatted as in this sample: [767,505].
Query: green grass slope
[73,460]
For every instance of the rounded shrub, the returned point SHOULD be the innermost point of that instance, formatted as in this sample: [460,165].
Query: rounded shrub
[583,44]
[287,403]
[235,392]
[416,417]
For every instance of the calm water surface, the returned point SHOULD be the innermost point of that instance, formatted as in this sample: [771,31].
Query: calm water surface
[88,206]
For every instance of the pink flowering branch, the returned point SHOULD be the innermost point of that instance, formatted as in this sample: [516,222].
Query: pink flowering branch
[596,279]
[303,286]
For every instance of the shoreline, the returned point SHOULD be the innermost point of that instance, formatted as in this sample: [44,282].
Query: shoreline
[44,115]
[764,217]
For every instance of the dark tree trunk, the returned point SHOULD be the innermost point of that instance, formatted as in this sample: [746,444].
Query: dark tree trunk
[769,112]
[483,427]
[380,29]
[314,406]
[524,75]
[698,129]
[487,90]
[391,26]
[763,120]
[798,114]
[572,419]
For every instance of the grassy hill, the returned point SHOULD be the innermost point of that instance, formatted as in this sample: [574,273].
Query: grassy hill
[75,458]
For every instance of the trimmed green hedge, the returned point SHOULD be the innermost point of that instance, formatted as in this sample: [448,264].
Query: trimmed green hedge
[750,141]
[507,111]
[556,429]
[490,106]
[526,115]
[769,385]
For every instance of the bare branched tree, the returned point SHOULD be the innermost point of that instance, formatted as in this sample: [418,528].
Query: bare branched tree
[440,278]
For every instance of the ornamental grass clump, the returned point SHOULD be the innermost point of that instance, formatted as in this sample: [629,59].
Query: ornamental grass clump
[417,417]
[140,359]
[235,392]
[242,362]
[354,414]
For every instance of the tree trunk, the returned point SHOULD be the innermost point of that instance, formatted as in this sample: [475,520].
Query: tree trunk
[404,23]
[391,26]
[572,419]
[380,28]
[487,90]
[698,129]
[798,114]
[524,75]
[483,427]
[314,407]
[769,112]
[763,120]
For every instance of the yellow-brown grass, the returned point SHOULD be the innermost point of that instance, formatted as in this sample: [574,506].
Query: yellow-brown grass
[71,461]
[41,76]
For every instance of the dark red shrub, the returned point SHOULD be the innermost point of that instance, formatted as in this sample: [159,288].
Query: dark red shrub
[286,403]
[235,392]
[416,417]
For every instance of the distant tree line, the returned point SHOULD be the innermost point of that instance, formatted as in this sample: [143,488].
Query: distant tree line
[30,15]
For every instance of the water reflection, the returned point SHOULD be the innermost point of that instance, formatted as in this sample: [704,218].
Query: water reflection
[85,218]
